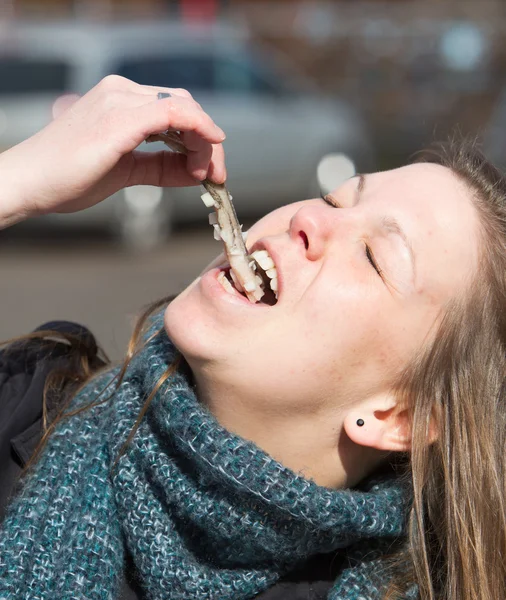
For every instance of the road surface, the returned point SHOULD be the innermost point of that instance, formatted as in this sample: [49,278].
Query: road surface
[94,281]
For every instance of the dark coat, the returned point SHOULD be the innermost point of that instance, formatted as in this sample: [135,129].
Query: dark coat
[23,372]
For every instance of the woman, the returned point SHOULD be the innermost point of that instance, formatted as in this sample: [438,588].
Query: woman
[360,417]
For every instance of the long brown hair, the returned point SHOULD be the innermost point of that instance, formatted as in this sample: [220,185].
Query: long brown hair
[456,544]
[456,548]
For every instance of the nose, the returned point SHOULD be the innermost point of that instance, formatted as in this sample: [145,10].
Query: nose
[313,225]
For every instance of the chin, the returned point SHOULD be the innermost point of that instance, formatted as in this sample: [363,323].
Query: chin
[187,329]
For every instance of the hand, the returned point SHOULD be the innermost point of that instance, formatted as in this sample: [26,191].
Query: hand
[87,153]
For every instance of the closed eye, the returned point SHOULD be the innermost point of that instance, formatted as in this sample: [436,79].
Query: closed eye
[368,252]
[372,260]
[330,201]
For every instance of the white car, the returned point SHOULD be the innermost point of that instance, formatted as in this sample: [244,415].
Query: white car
[278,125]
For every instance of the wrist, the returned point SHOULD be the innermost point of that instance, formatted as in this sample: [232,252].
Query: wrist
[13,189]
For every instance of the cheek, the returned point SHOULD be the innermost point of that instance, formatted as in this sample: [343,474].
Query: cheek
[350,307]
[340,327]
[355,331]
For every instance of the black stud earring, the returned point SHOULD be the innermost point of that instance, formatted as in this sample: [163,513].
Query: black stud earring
[360,422]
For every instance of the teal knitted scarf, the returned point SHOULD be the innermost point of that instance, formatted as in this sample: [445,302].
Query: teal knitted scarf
[205,514]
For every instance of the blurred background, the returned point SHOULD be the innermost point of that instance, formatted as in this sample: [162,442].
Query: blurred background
[289,81]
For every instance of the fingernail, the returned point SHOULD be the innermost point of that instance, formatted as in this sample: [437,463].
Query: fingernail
[222,133]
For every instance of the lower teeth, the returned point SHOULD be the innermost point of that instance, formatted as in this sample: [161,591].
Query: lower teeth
[270,297]
[226,283]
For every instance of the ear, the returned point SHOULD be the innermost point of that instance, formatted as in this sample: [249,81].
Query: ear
[385,427]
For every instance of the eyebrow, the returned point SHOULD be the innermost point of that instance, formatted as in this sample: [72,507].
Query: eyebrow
[389,224]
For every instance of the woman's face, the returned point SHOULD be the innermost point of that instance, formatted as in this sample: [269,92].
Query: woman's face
[360,287]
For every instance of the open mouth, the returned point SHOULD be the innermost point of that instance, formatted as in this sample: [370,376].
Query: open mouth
[265,269]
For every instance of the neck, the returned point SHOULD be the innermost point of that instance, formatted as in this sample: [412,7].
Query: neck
[312,444]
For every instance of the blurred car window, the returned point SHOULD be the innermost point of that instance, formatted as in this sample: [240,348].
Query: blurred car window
[197,74]
[189,72]
[21,76]
[234,76]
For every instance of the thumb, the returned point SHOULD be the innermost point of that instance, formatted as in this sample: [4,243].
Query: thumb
[62,103]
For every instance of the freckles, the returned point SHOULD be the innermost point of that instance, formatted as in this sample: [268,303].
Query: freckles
[357,363]
[431,299]
[385,356]
[357,355]
[420,291]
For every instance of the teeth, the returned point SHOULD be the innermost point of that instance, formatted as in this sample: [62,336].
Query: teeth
[230,288]
[225,283]
[213,218]
[217,233]
[272,274]
[251,286]
[263,259]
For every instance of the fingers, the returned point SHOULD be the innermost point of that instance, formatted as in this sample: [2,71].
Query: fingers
[124,114]
[122,83]
[163,169]
[204,159]
[217,171]
[153,90]
[169,169]
[180,114]
[197,163]
[119,83]
[136,113]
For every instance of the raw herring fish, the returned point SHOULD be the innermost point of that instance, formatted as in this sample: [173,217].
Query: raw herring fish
[226,227]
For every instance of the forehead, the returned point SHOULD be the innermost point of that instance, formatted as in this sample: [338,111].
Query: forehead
[435,208]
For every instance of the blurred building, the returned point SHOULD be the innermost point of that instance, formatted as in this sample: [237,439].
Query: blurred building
[416,68]
[114,8]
